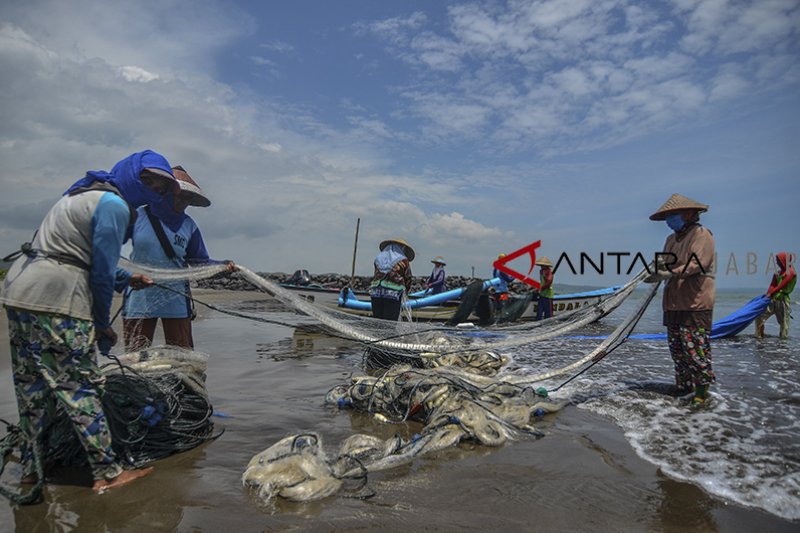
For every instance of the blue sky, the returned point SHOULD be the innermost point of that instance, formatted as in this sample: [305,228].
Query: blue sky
[467,128]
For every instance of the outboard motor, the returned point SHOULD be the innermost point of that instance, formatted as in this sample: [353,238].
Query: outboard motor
[300,277]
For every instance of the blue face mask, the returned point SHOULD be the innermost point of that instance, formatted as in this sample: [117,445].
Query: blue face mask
[675,222]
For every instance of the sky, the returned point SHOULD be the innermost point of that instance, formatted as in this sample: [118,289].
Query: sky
[468,129]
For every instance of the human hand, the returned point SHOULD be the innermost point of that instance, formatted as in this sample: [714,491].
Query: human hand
[657,276]
[106,339]
[139,281]
[231,267]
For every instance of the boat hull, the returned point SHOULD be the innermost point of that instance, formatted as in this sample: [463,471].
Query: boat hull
[444,307]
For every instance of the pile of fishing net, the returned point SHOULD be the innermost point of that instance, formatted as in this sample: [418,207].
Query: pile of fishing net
[155,404]
[453,403]
[448,378]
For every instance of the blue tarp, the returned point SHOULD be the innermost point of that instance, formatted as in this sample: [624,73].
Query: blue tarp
[729,326]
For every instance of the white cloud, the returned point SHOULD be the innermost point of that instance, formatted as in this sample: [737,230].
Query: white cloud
[131,73]
[576,64]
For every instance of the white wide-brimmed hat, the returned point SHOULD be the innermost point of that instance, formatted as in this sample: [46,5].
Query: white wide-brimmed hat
[438,259]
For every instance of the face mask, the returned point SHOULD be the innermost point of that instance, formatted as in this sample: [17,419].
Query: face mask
[675,222]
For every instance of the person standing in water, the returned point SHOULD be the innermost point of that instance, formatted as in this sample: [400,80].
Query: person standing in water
[164,236]
[689,294]
[783,283]
[392,278]
[58,295]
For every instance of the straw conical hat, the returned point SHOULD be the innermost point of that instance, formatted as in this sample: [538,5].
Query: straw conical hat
[438,259]
[544,261]
[409,251]
[675,204]
[190,188]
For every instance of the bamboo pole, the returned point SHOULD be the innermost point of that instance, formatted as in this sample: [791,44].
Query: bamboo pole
[355,249]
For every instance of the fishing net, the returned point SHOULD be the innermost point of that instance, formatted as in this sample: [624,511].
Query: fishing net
[452,403]
[155,404]
[457,397]
[407,338]
[450,379]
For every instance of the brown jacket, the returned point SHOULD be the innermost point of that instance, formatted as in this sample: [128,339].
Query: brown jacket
[691,287]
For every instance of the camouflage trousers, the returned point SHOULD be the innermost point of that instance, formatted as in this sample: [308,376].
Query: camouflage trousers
[783,314]
[53,360]
[690,348]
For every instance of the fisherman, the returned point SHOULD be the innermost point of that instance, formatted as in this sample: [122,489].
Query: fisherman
[392,279]
[500,294]
[58,296]
[689,294]
[782,285]
[436,281]
[164,236]
[544,308]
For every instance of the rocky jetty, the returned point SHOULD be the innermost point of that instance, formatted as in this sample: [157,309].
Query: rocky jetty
[234,282]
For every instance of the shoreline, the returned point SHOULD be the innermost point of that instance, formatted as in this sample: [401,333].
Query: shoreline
[582,453]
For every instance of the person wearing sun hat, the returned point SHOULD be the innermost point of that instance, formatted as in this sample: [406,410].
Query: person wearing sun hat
[164,236]
[544,307]
[58,295]
[436,281]
[689,294]
[392,278]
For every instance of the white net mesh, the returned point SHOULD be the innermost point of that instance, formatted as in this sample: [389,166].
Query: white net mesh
[452,380]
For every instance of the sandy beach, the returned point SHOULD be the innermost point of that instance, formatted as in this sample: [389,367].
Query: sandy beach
[270,381]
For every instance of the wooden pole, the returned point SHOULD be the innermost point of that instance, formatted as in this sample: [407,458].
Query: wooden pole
[355,249]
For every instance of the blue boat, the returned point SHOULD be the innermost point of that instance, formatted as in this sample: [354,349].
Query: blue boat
[443,306]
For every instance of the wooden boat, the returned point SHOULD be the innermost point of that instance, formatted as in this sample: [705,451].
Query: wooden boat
[443,306]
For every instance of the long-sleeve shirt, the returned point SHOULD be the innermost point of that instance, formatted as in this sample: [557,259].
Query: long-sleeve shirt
[397,278]
[89,227]
[505,279]
[436,281]
[691,288]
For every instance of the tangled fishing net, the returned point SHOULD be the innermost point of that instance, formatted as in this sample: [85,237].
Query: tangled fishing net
[449,379]
[155,403]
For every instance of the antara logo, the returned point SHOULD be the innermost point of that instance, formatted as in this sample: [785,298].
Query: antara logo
[668,259]
[530,249]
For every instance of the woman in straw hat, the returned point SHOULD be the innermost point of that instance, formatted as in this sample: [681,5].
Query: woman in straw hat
[544,307]
[392,278]
[436,281]
[58,296]
[689,294]
[164,236]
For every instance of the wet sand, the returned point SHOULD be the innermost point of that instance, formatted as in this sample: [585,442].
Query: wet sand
[270,381]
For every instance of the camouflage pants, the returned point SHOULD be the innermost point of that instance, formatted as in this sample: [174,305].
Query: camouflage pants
[782,313]
[53,360]
[690,348]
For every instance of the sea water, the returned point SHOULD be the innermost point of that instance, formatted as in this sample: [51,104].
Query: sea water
[743,447]
[730,467]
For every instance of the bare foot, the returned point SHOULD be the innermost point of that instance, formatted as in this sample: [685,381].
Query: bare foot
[30,479]
[102,485]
